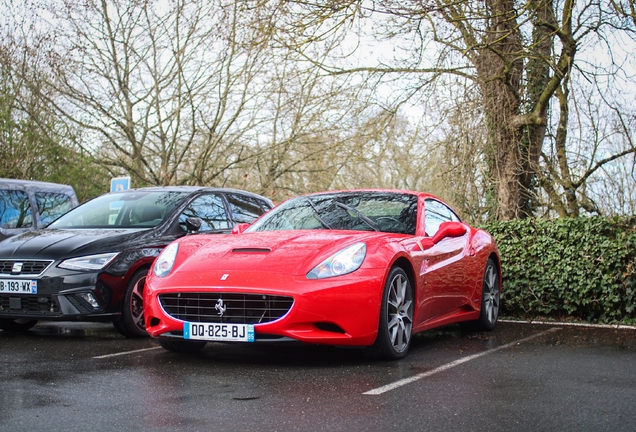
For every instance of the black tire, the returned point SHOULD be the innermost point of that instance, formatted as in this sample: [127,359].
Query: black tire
[180,345]
[131,323]
[490,296]
[17,325]
[396,317]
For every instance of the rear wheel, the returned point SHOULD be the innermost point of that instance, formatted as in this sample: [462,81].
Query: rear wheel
[181,345]
[489,298]
[17,325]
[396,317]
[490,294]
[132,323]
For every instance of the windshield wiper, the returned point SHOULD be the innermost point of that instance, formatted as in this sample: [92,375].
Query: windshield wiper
[313,206]
[364,218]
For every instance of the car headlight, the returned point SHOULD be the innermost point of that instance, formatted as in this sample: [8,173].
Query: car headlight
[89,262]
[165,260]
[346,261]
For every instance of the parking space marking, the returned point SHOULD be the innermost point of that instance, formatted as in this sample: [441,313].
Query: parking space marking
[126,353]
[450,365]
[573,324]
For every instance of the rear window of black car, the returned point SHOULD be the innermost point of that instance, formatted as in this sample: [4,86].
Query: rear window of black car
[15,210]
[51,206]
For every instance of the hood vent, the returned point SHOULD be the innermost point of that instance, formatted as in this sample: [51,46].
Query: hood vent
[251,250]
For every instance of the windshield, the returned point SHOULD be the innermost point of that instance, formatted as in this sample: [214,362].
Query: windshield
[358,211]
[138,209]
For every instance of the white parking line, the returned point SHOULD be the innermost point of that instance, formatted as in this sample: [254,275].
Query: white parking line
[450,365]
[126,353]
[574,324]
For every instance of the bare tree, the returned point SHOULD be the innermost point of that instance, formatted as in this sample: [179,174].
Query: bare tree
[478,102]
[34,143]
[162,87]
[196,92]
[519,55]
[584,173]
[308,121]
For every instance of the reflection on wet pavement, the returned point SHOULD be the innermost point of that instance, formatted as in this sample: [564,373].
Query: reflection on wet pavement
[76,330]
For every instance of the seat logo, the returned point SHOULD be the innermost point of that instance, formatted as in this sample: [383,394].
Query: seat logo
[219,307]
[17,267]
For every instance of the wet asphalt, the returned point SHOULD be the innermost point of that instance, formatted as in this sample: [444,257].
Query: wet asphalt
[520,377]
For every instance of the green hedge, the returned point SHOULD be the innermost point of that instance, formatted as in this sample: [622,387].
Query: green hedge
[582,268]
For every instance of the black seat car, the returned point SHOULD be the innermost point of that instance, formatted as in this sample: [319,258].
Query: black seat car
[91,264]
[27,205]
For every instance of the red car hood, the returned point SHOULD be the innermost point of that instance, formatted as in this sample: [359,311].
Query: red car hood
[288,252]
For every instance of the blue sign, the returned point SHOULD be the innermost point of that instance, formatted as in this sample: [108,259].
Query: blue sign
[119,184]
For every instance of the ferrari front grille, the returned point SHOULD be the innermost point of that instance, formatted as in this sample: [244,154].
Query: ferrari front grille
[26,267]
[225,307]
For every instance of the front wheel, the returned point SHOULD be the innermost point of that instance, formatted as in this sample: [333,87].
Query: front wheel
[17,325]
[396,317]
[181,345]
[132,323]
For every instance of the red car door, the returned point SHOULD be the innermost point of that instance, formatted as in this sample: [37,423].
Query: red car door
[443,286]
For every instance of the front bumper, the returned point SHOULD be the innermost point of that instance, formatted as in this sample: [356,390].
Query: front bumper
[66,295]
[342,310]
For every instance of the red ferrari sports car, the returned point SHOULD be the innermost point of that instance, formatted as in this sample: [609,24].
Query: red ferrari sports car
[363,268]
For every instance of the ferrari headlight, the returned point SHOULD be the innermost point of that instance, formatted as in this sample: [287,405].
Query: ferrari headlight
[89,262]
[346,261]
[165,260]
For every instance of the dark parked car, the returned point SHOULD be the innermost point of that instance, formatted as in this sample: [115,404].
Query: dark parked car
[91,264]
[28,205]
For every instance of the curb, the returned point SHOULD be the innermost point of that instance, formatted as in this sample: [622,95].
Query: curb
[600,326]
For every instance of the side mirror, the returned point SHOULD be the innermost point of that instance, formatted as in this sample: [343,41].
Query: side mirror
[193,224]
[446,229]
[449,229]
[239,228]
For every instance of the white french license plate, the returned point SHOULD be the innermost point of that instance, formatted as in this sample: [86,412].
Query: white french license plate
[18,286]
[220,332]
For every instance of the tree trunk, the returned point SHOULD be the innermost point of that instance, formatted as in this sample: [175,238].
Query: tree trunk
[499,67]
